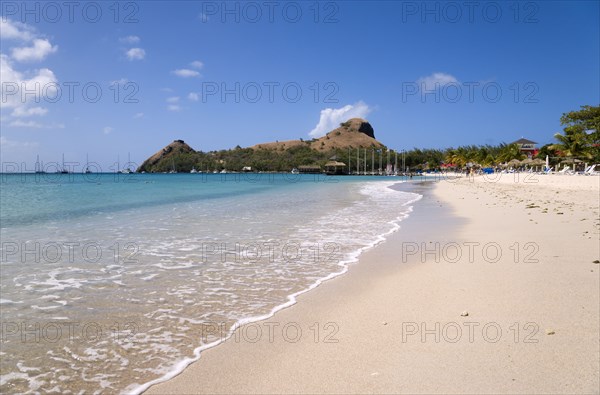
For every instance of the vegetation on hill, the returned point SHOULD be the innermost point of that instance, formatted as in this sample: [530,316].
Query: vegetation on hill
[285,160]
[355,132]
[580,139]
[238,158]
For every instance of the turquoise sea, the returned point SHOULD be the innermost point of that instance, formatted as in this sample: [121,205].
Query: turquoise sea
[109,281]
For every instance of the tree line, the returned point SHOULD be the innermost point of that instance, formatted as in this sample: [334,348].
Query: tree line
[580,139]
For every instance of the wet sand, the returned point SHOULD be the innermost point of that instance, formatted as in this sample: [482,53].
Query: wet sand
[488,287]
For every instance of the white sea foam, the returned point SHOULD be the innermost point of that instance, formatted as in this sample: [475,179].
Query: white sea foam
[8,301]
[172,288]
[387,195]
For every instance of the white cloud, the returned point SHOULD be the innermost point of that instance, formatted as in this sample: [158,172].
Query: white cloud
[5,143]
[20,112]
[26,124]
[121,81]
[185,73]
[43,81]
[332,117]
[173,107]
[196,64]
[138,115]
[130,39]
[35,125]
[173,99]
[107,130]
[136,54]
[16,30]
[21,89]
[193,96]
[40,49]
[435,81]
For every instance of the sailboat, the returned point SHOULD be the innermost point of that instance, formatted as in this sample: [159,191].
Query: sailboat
[173,169]
[126,170]
[64,169]
[87,165]
[39,169]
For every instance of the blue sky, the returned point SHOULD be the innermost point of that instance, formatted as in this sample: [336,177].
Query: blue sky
[433,74]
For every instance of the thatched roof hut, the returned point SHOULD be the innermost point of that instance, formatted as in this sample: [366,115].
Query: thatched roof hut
[335,167]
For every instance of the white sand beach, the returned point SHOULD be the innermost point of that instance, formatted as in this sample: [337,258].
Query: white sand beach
[489,287]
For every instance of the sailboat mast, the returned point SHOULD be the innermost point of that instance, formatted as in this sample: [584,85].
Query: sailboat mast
[349,167]
[388,159]
[372,161]
[87,164]
[403,161]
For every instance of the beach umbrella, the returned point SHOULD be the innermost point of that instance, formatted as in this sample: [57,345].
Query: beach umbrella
[571,160]
[514,162]
[527,161]
[537,162]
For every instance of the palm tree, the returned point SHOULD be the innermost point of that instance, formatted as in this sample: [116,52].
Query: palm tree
[572,144]
[456,157]
[509,152]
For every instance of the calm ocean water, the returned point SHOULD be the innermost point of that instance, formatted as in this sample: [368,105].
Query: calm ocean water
[111,281]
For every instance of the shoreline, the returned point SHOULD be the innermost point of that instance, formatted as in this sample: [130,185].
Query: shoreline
[345,264]
[420,187]
[375,308]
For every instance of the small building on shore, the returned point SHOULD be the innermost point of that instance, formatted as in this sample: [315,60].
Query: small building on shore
[334,167]
[309,169]
[527,147]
